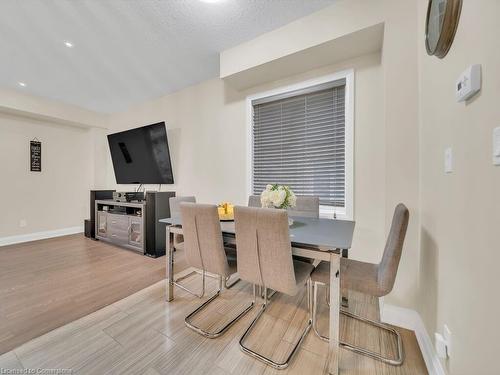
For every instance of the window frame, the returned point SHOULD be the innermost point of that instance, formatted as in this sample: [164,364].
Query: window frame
[347,213]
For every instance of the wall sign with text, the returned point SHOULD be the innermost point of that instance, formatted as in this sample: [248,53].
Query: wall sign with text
[35,156]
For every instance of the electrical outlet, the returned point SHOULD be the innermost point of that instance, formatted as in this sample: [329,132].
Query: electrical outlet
[23,223]
[447,338]
[440,346]
[443,343]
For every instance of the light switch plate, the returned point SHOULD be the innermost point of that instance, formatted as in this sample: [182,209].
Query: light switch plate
[496,146]
[448,160]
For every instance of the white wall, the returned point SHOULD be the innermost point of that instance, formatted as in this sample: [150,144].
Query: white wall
[460,237]
[55,198]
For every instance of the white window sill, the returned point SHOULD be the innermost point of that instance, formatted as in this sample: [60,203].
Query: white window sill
[328,212]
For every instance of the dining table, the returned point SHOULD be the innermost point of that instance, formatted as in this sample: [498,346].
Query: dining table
[314,238]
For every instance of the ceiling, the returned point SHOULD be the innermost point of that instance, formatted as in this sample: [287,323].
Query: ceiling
[127,51]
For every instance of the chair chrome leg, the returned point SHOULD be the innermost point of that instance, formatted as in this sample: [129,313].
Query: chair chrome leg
[269,295]
[314,287]
[199,295]
[203,274]
[220,331]
[344,302]
[229,285]
[200,272]
[309,298]
[262,358]
[399,342]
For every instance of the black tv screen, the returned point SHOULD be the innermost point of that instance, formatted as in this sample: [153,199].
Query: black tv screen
[141,155]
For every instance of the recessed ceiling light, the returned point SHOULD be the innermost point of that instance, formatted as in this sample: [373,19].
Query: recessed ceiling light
[68,44]
[22,84]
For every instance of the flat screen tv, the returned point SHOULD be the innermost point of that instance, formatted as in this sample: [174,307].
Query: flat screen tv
[141,155]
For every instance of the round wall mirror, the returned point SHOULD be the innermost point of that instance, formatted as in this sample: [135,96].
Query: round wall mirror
[441,25]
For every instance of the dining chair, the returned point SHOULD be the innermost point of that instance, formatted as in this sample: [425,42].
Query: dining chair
[175,211]
[373,279]
[307,206]
[264,256]
[231,256]
[204,250]
[254,201]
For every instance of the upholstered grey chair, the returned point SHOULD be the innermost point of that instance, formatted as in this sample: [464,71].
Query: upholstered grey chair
[175,211]
[307,206]
[254,201]
[372,279]
[265,258]
[204,250]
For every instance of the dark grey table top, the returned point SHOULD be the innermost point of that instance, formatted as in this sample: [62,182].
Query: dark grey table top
[324,233]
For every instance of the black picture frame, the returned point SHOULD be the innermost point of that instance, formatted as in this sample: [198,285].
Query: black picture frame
[35,156]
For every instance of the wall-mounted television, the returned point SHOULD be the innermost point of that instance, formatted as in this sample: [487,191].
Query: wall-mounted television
[141,155]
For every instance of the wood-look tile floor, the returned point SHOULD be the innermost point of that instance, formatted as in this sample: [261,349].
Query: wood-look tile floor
[49,283]
[143,334]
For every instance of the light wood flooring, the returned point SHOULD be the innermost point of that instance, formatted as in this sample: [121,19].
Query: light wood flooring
[49,283]
[143,334]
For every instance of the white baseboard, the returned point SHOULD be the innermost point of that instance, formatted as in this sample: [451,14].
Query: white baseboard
[410,319]
[39,235]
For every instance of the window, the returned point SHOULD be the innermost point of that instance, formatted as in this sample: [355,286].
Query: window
[302,137]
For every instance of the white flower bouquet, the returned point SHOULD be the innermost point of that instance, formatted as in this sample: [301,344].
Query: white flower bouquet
[277,196]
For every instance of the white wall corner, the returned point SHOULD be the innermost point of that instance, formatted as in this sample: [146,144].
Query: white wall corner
[40,235]
[410,319]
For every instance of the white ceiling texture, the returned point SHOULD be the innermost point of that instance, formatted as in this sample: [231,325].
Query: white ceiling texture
[127,51]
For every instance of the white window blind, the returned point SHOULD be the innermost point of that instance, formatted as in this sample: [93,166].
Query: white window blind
[299,141]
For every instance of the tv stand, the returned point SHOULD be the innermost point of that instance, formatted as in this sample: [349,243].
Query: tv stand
[134,225]
[121,223]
